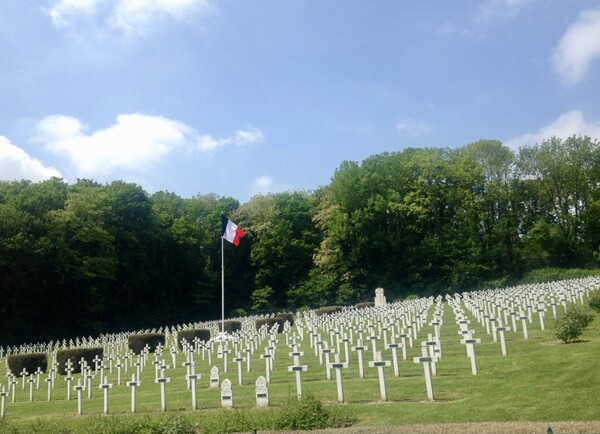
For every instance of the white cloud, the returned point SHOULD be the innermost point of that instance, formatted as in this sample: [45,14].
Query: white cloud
[135,16]
[265,185]
[240,138]
[413,127]
[63,11]
[134,143]
[567,125]
[492,10]
[16,164]
[578,47]
[132,17]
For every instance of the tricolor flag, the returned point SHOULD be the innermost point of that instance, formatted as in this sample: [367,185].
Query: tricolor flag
[230,231]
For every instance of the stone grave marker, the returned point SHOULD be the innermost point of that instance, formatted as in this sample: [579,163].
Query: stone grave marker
[261,392]
[133,384]
[192,377]
[214,377]
[326,352]
[79,389]
[105,385]
[470,343]
[501,330]
[163,389]
[88,380]
[427,361]
[31,381]
[226,394]
[380,364]
[267,357]
[359,350]
[3,395]
[338,376]
[394,347]
[37,373]
[297,369]
[239,360]
[49,381]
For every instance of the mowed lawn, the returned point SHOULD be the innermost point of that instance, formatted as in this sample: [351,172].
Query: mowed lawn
[540,380]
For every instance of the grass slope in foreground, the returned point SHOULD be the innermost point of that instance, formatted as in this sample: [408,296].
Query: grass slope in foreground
[540,380]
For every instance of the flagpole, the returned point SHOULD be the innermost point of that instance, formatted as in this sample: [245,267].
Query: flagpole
[222,289]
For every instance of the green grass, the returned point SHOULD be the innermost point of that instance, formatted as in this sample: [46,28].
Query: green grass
[540,379]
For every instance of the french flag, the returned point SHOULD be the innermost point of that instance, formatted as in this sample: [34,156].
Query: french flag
[230,231]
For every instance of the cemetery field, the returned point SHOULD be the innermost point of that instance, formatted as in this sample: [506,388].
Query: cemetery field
[539,380]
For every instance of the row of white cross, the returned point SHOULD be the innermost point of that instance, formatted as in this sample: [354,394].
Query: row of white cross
[394,328]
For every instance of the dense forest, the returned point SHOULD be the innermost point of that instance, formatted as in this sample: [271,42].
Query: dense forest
[87,258]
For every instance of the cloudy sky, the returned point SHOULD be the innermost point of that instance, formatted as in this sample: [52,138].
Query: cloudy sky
[239,97]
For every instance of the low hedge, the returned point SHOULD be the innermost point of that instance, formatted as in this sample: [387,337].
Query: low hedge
[30,362]
[365,304]
[324,310]
[286,316]
[270,322]
[190,335]
[75,355]
[137,343]
[231,326]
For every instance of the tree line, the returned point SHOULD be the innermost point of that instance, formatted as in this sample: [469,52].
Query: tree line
[89,258]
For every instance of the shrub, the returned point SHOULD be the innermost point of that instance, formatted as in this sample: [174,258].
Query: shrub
[190,335]
[231,326]
[270,322]
[308,413]
[365,304]
[594,300]
[30,362]
[137,343]
[75,355]
[286,316]
[570,325]
[324,310]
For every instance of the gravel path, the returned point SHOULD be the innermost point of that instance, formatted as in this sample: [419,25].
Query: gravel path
[465,428]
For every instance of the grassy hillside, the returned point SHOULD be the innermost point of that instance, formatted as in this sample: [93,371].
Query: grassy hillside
[540,380]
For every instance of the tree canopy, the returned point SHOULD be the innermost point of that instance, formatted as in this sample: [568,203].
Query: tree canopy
[88,258]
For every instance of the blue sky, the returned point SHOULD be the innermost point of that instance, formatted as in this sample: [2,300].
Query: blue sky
[239,97]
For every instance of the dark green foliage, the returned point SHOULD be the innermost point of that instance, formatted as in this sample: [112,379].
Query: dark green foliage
[40,426]
[286,316]
[328,309]
[594,301]
[308,413]
[231,326]
[75,355]
[421,221]
[164,424]
[270,323]
[570,325]
[31,362]
[365,304]
[190,335]
[138,342]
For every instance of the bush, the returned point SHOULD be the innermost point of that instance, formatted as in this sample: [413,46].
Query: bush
[365,304]
[286,316]
[190,335]
[308,413]
[270,322]
[162,424]
[570,325]
[594,300]
[231,326]
[137,343]
[75,355]
[324,310]
[30,362]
